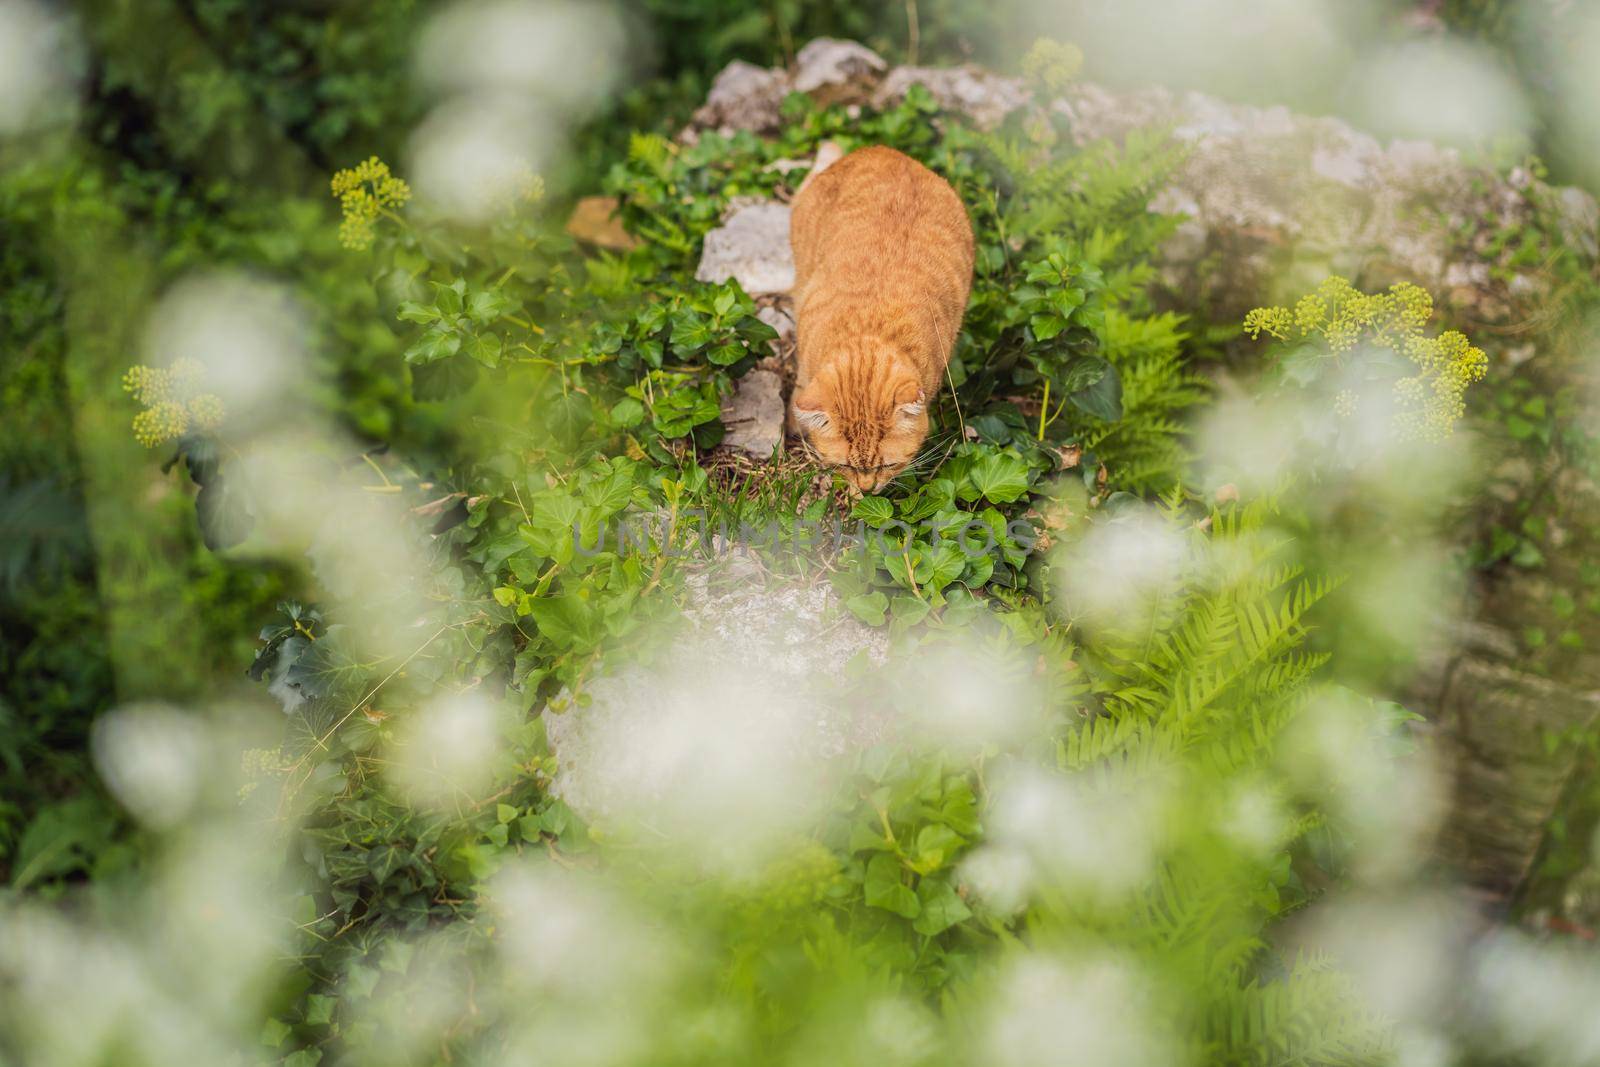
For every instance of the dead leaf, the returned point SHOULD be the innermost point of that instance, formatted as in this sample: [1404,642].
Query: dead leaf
[594,221]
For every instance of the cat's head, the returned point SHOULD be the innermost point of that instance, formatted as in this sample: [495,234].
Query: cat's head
[866,427]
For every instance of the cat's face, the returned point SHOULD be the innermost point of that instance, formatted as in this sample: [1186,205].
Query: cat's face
[868,436]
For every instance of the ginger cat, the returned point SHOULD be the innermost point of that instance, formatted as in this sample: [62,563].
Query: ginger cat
[883,264]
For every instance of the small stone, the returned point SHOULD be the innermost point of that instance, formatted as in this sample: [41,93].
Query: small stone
[782,320]
[1341,168]
[983,97]
[745,97]
[752,248]
[837,71]
[754,414]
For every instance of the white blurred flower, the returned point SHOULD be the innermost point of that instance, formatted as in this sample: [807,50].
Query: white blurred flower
[1092,1012]
[962,697]
[1002,877]
[1404,950]
[1097,842]
[1344,753]
[249,334]
[1255,49]
[152,758]
[359,543]
[566,53]
[1399,596]
[212,917]
[474,152]
[1116,572]
[513,77]
[1251,442]
[37,52]
[1538,999]
[584,975]
[717,762]
[1574,31]
[1255,819]
[1439,89]
[446,750]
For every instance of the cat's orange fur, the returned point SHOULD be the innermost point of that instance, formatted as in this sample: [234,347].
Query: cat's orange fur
[883,265]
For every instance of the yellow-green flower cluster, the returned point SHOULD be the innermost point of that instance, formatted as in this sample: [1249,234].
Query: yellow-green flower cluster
[364,192]
[1051,64]
[259,764]
[797,879]
[529,186]
[173,404]
[514,190]
[1430,402]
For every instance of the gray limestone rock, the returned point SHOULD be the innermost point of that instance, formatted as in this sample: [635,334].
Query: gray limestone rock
[744,97]
[754,414]
[837,71]
[752,247]
[984,97]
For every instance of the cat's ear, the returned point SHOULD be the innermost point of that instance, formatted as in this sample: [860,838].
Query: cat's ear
[806,406]
[909,399]
[815,418]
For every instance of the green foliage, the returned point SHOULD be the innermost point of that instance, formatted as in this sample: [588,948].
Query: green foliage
[233,89]
[1058,308]
[539,399]
[588,390]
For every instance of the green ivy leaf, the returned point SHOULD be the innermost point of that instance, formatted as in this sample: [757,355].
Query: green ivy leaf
[274,1031]
[411,311]
[870,608]
[1103,399]
[691,332]
[1082,373]
[1046,326]
[936,846]
[627,413]
[873,510]
[437,342]
[885,890]
[908,610]
[384,861]
[936,566]
[941,907]
[449,297]
[725,353]
[485,348]
[485,306]
[444,379]
[566,620]
[319,1009]
[1000,477]
[360,981]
